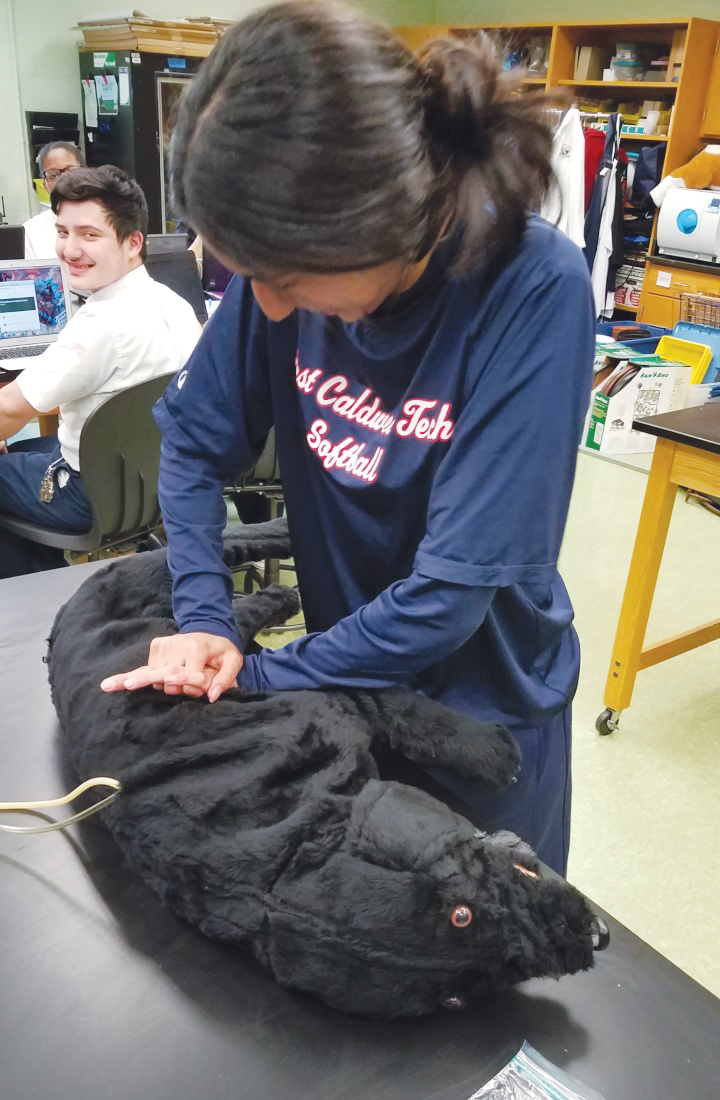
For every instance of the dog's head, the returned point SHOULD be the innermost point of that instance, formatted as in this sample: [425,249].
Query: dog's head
[419,910]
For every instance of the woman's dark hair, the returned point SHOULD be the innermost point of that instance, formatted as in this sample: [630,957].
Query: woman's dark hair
[313,140]
[67,146]
[121,198]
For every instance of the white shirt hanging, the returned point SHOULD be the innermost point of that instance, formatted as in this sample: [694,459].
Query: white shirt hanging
[564,204]
[604,250]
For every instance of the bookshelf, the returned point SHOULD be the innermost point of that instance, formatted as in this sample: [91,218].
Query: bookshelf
[691,93]
[690,45]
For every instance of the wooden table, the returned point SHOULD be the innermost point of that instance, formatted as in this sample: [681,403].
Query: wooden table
[687,453]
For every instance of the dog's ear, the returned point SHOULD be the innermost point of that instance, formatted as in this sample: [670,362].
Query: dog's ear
[403,828]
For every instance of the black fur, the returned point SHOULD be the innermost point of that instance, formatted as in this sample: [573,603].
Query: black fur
[262,820]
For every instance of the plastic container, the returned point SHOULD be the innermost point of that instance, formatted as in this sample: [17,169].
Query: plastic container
[702,334]
[627,70]
[697,356]
[645,345]
[41,191]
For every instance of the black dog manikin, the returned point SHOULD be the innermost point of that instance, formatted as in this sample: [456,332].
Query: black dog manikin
[263,821]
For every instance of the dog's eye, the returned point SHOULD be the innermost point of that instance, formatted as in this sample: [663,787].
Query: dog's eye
[461,916]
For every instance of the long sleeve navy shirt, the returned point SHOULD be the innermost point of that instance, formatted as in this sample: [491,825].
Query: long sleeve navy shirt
[427,457]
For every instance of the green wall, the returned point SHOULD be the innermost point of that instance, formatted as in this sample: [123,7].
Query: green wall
[551,11]
[400,13]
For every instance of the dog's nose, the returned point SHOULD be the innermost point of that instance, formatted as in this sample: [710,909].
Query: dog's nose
[600,933]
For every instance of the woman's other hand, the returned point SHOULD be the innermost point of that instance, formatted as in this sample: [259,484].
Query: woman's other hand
[184,664]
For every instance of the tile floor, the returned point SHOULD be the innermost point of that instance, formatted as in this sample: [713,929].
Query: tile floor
[646,813]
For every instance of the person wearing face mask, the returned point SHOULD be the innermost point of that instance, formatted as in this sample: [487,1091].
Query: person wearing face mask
[130,329]
[54,160]
[422,342]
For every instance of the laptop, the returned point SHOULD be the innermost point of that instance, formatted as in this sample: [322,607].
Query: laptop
[165,242]
[215,276]
[179,271]
[12,242]
[34,308]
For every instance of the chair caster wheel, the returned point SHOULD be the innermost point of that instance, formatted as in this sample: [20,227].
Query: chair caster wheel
[607,722]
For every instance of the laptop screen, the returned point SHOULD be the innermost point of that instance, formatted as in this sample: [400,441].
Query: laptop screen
[32,301]
[178,270]
[12,242]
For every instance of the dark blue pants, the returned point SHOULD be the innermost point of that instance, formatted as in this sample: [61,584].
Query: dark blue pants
[21,471]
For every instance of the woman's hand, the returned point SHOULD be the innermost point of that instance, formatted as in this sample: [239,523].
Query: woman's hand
[184,664]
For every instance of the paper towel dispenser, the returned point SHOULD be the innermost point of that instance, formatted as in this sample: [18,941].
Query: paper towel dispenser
[689,225]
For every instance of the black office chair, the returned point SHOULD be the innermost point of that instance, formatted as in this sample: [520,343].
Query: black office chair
[262,482]
[261,485]
[119,460]
[179,271]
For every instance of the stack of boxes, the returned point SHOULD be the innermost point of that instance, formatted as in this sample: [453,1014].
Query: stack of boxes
[646,62]
[629,386]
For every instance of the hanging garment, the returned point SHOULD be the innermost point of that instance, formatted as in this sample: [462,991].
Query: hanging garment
[617,232]
[594,145]
[604,247]
[564,205]
[603,221]
[600,189]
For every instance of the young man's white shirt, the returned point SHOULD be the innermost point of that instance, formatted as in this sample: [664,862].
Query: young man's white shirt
[130,331]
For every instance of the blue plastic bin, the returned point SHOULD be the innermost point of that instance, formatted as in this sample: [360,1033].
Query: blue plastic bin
[646,345]
[702,334]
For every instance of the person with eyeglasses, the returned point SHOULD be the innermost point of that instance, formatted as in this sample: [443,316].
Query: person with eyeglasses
[54,160]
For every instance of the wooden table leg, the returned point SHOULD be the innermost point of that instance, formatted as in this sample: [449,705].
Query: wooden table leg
[642,577]
[49,423]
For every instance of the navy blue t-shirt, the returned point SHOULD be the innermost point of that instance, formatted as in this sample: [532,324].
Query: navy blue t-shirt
[427,456]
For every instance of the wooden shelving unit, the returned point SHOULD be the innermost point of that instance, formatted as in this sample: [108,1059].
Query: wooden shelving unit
[610,85]
[694,59]
[690,44]
[644,137]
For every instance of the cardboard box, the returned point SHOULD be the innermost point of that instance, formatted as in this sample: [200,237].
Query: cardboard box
[590,62]
[659,386]
[609,352]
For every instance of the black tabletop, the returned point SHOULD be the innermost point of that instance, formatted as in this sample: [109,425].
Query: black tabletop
[698,426]
[106,995]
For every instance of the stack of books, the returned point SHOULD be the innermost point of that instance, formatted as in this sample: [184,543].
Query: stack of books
[187,37]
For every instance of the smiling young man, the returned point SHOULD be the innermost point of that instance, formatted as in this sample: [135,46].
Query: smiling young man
[130,329]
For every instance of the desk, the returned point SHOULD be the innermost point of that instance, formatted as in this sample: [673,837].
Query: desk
[105,994]
[687,453]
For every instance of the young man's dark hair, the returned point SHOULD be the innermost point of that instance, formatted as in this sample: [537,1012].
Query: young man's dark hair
[121,197]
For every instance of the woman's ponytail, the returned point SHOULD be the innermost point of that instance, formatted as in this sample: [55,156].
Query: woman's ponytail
[490,143]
